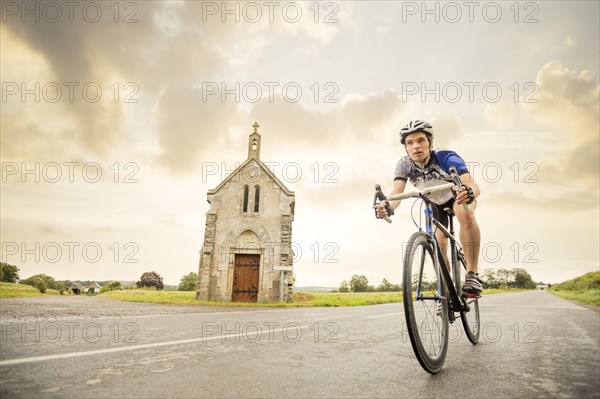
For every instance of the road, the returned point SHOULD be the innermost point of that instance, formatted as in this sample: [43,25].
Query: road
[533,345]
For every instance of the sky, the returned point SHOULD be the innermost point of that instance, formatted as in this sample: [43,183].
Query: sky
[118,117]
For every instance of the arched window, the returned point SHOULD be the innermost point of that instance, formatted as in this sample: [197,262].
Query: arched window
[256,199]
[245,206]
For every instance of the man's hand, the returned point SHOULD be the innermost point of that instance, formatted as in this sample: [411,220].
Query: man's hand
[380,209]
[465,196]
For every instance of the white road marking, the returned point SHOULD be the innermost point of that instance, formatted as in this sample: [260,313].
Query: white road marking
[385,315]
[122,349]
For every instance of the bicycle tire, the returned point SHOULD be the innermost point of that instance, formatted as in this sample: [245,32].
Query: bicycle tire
[427,316]
[470,320]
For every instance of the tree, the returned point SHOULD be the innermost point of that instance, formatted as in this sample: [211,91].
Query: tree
[8,273]
[188,282]
[426,283]
[386,286]
[489,279]
[359,283]
[505,277]
[151,279]
[345,286]
[522,279]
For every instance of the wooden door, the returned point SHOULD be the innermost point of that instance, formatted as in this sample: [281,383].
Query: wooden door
[245,278]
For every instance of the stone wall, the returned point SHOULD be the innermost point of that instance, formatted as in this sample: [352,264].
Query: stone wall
[229,230]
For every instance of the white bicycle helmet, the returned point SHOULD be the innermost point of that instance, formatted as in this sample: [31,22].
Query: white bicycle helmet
[414,127]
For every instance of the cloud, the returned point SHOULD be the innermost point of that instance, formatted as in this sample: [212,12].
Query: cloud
[190,128]
[501,114]
[447,129]
[358,119]
[154,54]
[569,42]
[167,51]
[568,202]
[569,106]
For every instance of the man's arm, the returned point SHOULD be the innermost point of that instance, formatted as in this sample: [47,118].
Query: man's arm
[399,186]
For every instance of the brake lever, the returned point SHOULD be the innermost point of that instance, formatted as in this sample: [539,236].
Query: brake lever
[380,197]
[458,183]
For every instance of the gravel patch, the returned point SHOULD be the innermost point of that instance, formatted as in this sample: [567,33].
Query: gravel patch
[89,307]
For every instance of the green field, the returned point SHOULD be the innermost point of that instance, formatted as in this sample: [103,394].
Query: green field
[301,299]
[584,289]
[8,290]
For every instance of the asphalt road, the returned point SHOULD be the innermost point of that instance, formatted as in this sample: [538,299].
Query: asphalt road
[533,345]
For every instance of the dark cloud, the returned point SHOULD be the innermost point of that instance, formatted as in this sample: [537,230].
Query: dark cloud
[163,48]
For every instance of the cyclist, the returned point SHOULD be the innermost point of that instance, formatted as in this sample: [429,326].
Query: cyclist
[424,167]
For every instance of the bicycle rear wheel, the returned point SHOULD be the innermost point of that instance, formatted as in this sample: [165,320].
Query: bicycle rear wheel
[470,319]
[425,304]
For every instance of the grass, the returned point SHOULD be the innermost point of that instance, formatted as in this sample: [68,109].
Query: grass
[584,289]
[490,291]
[589,297]
[301,299]
[8,290]
[346,298]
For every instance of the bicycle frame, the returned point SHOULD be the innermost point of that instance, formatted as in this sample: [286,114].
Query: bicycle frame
[458,303]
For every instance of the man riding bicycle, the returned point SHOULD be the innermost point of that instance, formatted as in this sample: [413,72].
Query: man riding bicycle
[424,167]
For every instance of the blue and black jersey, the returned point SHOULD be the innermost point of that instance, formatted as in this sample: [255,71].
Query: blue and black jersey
[436,172]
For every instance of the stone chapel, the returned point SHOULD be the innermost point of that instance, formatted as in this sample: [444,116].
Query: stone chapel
[248,233]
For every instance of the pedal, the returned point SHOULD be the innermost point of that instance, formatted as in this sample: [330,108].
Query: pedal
[470,295]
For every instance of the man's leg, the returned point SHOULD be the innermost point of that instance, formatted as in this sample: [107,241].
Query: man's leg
[443,243]
[470,236]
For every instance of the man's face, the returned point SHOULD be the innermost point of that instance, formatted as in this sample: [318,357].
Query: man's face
[417,146]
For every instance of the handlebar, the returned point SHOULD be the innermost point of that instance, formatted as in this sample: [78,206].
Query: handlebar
[380,197]
[419,193]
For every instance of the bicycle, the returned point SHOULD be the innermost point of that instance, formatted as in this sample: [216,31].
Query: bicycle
[432,295]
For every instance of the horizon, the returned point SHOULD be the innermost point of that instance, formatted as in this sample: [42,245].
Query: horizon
[295,286]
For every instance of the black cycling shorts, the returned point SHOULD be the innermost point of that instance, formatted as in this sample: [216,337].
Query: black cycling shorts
[440,214]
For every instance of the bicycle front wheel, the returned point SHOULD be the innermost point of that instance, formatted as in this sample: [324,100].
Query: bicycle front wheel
[425,304]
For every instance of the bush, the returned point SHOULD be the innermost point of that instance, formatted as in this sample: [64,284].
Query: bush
[111,286]
[589,281]
[188,282]
[42,282]
[37,282]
